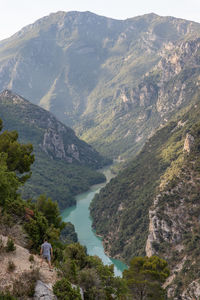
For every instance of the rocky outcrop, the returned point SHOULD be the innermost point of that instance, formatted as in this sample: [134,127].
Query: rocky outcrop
[152,236]
[23,266]
[56,139]
[174,224]
[189,142]
[43,291]
[192,291]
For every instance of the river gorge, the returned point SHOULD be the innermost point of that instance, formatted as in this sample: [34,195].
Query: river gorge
[79,216]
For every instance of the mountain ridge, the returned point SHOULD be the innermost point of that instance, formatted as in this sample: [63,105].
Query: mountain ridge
[87,68]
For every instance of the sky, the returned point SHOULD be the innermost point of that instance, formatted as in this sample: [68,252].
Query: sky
[15,14]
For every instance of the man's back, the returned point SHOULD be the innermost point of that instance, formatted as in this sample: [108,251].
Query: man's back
[46,248]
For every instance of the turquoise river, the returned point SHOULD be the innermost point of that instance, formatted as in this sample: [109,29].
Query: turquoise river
[79,216]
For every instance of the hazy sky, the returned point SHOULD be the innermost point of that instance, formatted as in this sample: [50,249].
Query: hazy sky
[15,14]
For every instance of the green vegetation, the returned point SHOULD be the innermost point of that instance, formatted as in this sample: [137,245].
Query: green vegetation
[122,207]
[120,211]
[68,234]
[63,290]
[42,219]
[10,246]
[180,187]
[89,273]
[32,123]
[145,277]
[6,296]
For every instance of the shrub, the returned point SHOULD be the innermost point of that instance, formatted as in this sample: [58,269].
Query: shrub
[91,284]
[6,296]
[31,258]
[63,290]
[11,266]
[24,286]
[10,246]
[2,248]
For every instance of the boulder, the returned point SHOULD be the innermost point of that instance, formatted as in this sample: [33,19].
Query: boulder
[43,291]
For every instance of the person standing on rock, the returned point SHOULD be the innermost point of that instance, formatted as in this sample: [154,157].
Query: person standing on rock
[46,252]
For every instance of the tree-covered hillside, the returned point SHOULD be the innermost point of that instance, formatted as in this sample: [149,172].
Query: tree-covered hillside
[64,165]
[120,211]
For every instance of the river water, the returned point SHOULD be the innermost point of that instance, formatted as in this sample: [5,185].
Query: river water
[79,215]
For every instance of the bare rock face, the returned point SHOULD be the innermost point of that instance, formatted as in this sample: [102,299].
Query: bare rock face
[43,291]
[56,139]
[173,216]
[189,141]
[192,292]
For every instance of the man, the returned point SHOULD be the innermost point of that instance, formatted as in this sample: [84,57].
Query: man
[46,252]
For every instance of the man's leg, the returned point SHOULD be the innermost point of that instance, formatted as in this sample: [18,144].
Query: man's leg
[41,262]
[49,261]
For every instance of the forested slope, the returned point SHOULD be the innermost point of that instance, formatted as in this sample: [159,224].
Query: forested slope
[64,165]
[153,205]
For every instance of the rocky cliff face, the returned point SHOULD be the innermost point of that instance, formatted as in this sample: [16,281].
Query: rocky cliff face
[174,223]
[113,81]
[152,206]
[57,140]
[57,151]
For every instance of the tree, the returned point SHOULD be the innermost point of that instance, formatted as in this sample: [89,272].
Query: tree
[145,277]
[15,159]
[8,182]
[19,156]
[51,211]
[64,290]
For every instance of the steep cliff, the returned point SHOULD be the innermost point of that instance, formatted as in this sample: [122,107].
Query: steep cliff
[152,207]
[174,220]
[64,164]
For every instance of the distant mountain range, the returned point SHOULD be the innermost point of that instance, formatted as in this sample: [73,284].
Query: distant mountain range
[64,165]
[115,82]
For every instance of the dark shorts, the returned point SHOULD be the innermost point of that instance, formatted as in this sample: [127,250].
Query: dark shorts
[47,256]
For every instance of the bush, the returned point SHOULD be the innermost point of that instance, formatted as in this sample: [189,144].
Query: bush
[63,290]
[11,266]
[31,258]
[24,286]
[10,246]
[2,248]
[91,284]
[6,296]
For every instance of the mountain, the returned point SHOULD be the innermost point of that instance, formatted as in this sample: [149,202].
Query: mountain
[113,81]
[64,165]
[152,206]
